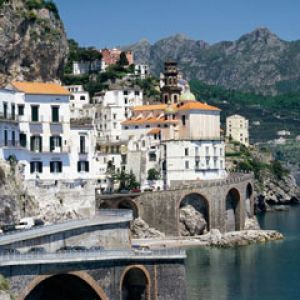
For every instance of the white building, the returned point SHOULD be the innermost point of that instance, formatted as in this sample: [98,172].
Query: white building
[36,129]
[79,99]
[86,67]
[180,140]
[141,71]
[237,128]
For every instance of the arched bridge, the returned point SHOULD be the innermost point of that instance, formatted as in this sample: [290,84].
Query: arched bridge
[224,203]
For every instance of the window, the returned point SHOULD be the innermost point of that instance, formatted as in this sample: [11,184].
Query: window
[82,144]
[197,165]
[72,97]
[136,127]
[5,137]
[23,140]
[125,93]
[187,165]
[13,111]
[186,151]
[114,116]
[36,167]
[166,97]
[82,98]
[56,167]
[83,166]
[13,138]
[207,151]
[34,113]
[55,142]
[117,137]
[126,127]
[5,110]
[126,101]
[21,110]
[136,93]
[183,119]
[36,143]
[152,157]
[115,125]
[55,114]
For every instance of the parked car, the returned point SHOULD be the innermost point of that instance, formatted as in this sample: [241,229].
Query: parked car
[36,250]
[135,191]
[28,223]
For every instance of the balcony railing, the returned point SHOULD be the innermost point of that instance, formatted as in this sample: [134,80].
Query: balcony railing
[9,117]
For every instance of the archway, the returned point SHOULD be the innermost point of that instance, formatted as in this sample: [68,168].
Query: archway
[129,204]
[232,213]
[194,215]
[67,286]
[135,284]
[249,205]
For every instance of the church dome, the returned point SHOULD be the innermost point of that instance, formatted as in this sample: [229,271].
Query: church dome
[187,96]
[170,110]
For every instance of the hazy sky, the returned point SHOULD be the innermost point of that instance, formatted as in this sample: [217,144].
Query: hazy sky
[108,23]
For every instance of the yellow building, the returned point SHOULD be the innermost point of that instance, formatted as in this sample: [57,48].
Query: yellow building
[237,127]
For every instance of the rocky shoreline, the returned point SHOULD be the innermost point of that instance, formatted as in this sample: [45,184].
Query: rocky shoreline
[213,239]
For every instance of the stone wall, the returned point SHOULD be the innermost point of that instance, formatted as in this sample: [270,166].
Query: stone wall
[166,278]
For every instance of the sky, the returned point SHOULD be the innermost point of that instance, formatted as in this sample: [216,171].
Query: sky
[111,23]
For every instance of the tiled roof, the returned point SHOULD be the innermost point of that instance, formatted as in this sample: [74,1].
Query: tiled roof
[154,131]
[40,88]
[195,105]
[150,107]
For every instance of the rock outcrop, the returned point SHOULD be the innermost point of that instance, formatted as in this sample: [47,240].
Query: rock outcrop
[192,222]
[276,192]
[33,43]
[140,229]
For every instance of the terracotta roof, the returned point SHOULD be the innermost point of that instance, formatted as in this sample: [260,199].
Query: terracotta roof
[148,121]
[154,131]
[40,88]
[195,105]
[150,107]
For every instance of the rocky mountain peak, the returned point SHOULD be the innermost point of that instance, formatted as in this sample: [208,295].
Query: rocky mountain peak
[33,43]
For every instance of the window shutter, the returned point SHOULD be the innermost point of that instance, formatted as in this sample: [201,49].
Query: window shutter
[78,166]
[32,143]
[60,167]
[41,144]
[87,166]
[32,167]
[51,167]
[51,143]
[40,167]
[60,141]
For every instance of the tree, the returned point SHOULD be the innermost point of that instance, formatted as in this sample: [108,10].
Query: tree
[153,174]
[132,184]
[123,61]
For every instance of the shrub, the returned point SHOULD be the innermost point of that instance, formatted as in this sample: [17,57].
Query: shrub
[153,174]
[2,176]
[278,170]
[4,285]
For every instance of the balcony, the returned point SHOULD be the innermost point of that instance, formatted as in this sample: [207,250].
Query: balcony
[9,117]
[82,121]
[83,150]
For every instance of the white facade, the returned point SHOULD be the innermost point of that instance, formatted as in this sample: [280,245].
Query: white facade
[142,71]
[237,128]
[40,136]
[85,67]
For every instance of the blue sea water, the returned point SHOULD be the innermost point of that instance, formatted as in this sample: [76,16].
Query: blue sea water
[256,272]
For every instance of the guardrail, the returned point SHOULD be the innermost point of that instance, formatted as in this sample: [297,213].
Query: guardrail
[12,259]
[108,217]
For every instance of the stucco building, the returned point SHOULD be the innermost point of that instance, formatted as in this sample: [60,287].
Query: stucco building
[237,128]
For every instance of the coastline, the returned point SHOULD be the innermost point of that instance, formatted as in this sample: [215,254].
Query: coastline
[212,239]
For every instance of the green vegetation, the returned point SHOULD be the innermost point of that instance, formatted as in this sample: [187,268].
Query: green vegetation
[2,2]
[127,181]
[286,102]
[40,4]
[123,60]
[153,174]
[149,85]
[4,284]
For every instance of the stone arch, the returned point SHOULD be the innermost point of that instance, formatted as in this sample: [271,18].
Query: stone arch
[233,210]
[249,201]
[141,287]
[201,205]
[83,276]
[129,204]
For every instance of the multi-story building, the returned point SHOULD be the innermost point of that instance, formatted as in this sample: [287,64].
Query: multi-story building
[112,56]
[86,67]
[36,130]
[237,128]
[141,71]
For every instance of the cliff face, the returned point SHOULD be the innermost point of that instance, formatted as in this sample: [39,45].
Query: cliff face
[33,43]
[258,62]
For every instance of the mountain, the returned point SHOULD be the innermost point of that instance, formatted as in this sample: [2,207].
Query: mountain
[33,43]
[258,62]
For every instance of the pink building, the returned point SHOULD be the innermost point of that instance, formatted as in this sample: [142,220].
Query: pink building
[112,56]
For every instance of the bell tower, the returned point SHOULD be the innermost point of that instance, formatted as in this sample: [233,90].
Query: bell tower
[170,92]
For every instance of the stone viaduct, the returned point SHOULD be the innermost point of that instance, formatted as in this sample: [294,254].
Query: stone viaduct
[224,203]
